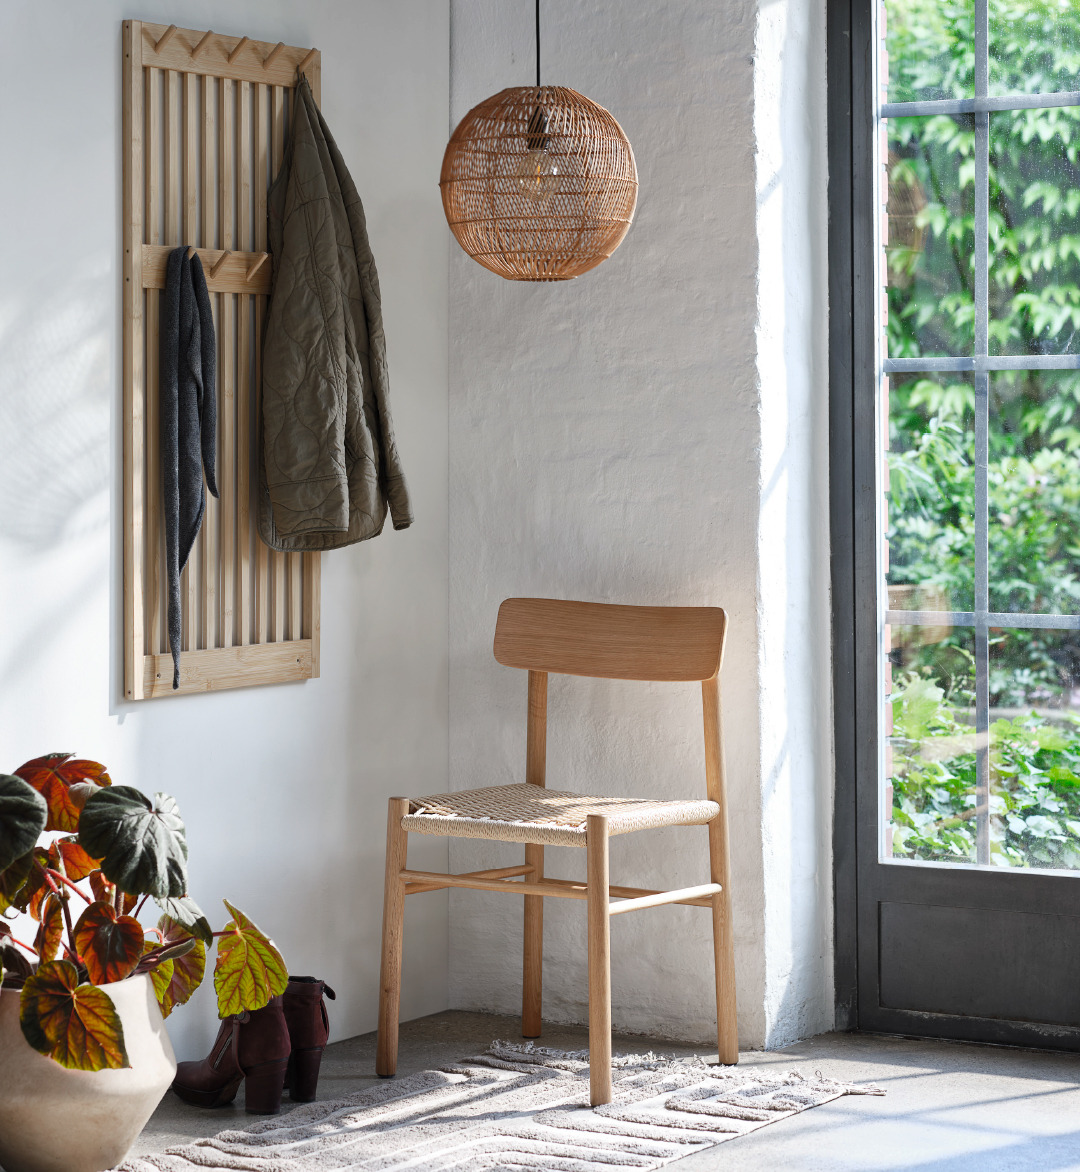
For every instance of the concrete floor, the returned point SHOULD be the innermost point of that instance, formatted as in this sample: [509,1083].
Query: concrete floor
[950,1107]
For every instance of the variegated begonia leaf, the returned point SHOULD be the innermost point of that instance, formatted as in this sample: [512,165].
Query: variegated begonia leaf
[181,973]
[108,943]
[23,814]
[50,929]
[141,844]
[187,913]
[249,969]
[76,1025]
[53,777]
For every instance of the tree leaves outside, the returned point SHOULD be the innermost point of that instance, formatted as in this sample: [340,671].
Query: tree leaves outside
[1034,441]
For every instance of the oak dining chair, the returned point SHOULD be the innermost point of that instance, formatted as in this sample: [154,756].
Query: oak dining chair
[605,641]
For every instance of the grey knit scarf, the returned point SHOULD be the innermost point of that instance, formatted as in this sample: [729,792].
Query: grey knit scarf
[188,420]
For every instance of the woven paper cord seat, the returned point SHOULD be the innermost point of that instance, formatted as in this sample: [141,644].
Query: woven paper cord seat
[527,813]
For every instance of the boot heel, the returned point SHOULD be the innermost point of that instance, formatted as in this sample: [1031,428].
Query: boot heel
[262,1088]
[304,1074]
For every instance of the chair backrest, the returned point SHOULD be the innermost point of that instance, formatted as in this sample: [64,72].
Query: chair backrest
[610,641]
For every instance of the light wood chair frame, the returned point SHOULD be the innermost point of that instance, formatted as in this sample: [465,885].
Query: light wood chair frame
[534,653]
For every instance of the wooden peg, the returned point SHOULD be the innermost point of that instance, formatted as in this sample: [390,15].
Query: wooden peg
[220,261]
[202,44]
[268,60]
[236,50]
[190,252]
[256,266]
[305,63]
[166,37]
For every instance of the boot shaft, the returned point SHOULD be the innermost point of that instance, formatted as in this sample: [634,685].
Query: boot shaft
[305,1012]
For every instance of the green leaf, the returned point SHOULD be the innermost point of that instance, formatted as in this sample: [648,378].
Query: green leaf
[59,778]
[23,814]
[76,1025]
[182,972]
[141,844]
[108,943]
[187,913]
[249,969]
[13,880]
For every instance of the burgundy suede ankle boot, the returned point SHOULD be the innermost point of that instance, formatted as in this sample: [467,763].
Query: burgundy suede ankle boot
[309,1028]
[252,1046]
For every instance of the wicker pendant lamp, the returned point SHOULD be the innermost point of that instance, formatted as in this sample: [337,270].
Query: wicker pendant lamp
[538,183]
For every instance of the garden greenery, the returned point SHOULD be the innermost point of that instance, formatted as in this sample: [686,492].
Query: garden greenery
[1034,448]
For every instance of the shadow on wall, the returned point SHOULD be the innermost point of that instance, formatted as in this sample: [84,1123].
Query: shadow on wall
[54,410]
[55,441]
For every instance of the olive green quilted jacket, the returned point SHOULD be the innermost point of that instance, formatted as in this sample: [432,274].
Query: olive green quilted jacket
[330,467]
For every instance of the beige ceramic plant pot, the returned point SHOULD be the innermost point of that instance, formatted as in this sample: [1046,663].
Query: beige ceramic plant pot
[57,1120]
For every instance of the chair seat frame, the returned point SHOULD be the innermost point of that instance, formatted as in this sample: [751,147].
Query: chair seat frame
[603,899]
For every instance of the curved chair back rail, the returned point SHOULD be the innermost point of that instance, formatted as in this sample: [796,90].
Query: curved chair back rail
[610,641]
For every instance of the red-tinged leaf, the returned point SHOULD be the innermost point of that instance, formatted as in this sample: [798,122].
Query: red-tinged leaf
[249,969]
[76,1025]
[53,776]
[186,970]
[51,929]
[106,892]
[109,944]
[77,863]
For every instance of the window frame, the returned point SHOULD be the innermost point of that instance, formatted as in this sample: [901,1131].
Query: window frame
[857,476]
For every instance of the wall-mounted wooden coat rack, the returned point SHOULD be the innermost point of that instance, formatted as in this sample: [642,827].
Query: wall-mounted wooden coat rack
[204,131]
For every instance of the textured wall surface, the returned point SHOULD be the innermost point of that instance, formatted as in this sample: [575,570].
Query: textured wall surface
[654,432]
[283,788]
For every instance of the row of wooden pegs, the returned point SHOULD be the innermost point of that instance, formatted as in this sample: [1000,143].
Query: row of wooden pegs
[260,260]
[268,60]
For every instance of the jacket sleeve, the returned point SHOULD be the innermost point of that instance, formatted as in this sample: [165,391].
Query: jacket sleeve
[391,471]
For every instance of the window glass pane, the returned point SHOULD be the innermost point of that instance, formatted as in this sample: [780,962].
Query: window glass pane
[1035,231]
[1034,491]
[1034,46]
[1035,748]
[933,744]
[930,237]
[931,492]
[930,49]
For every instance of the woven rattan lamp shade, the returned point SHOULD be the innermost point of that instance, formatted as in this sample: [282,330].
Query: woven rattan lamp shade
[539,184]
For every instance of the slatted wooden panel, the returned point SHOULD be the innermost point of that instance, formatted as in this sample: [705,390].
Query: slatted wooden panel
[205,119]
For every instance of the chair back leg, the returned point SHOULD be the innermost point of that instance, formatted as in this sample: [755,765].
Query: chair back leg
[599,960]
[397,840]
[727,1032]
[532,980]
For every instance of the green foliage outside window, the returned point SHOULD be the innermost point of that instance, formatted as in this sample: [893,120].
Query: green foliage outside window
[1034,453]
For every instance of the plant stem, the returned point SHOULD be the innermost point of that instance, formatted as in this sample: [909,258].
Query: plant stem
[142,904]
[64,879]
[29,947]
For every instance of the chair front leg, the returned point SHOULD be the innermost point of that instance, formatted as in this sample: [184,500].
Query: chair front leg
[599,960]
[532,977]
[397,841]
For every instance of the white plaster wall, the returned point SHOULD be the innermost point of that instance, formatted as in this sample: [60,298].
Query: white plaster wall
[654,432]
[283,788]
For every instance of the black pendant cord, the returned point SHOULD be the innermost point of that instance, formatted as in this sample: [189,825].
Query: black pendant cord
[537,44]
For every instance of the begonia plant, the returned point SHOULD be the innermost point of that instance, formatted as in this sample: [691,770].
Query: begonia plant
[82,858]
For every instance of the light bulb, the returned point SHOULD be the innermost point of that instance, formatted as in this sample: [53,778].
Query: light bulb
[537,174]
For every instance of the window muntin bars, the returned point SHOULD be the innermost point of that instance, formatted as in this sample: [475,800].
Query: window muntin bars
[979,366]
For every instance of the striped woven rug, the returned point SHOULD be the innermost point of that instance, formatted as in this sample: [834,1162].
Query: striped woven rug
[517,1106]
